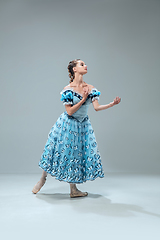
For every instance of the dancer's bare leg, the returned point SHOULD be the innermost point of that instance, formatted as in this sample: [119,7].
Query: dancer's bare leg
[41,182]
[74,192]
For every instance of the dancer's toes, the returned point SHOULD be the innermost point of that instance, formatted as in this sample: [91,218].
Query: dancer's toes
[78,194]
[38,186]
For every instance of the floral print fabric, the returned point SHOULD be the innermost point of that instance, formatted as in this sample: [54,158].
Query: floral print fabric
[71,153]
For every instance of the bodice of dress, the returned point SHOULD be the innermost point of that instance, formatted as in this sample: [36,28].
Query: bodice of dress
[70,96]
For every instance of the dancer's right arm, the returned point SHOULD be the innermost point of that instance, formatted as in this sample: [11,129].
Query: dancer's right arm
[72,109]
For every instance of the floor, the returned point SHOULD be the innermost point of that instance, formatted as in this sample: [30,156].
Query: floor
[120,206]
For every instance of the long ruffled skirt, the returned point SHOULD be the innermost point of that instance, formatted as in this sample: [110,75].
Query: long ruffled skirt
[71,153]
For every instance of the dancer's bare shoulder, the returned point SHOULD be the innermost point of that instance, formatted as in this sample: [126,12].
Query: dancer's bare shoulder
[90,86]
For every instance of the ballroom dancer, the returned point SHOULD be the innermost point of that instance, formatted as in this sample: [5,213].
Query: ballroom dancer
[71,152]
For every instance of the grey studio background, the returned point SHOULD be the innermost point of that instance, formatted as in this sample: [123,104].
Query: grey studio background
[119,42]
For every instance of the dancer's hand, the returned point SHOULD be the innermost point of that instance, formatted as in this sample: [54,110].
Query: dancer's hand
[116,100]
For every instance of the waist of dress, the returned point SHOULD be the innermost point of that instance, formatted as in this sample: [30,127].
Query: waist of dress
[76,119]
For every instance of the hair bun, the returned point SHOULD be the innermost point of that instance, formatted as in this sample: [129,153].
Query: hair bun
[70,67]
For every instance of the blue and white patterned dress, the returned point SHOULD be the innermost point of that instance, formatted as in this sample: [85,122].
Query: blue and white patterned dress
[71,153]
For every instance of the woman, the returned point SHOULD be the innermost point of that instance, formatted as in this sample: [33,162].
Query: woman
[71,153]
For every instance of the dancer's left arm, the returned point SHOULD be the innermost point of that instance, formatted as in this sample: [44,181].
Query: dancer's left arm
[99,107]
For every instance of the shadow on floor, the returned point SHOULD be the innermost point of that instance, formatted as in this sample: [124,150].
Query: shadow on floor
[94,203]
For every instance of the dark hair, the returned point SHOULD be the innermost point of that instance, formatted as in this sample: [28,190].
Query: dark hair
[70,69]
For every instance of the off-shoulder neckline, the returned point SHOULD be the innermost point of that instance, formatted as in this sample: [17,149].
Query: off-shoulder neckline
[71,88]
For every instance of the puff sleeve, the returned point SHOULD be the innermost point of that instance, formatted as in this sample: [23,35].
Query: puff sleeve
[95,94]
[67,96]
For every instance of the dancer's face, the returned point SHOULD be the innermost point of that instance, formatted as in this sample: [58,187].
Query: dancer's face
[81,67]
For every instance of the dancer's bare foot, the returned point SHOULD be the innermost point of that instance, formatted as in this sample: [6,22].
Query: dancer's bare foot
[40,184]
[75,192]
